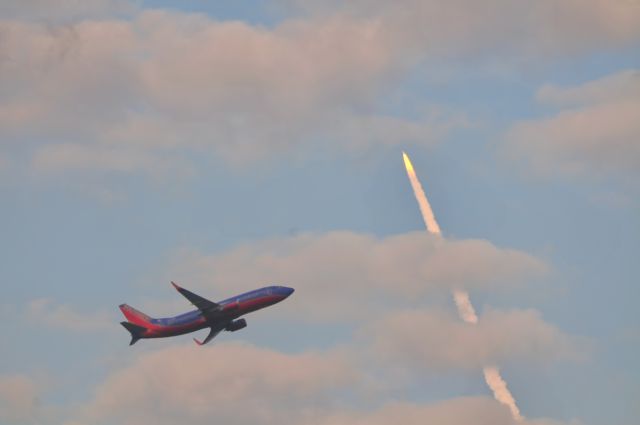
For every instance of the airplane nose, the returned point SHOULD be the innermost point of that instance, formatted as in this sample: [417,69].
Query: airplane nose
[289,291]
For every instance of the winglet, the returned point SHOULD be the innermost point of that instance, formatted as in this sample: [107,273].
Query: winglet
[212,334]
[175,285]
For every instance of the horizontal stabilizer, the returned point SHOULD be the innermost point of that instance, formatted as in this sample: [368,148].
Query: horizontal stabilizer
[136,331]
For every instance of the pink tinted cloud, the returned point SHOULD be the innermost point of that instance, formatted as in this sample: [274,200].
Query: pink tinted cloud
[18,399]
[433,339]
[236,383]
[595,134]
[45,312]
[167,84]
[334,268]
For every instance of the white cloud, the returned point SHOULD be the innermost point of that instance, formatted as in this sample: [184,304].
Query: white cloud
[18,399]
[458,411]
[244,384]
[492,28]
[429,340]
[45,312]
[64,83]
[621,86]
[597,135]
[330,270]
[122,94]
[63,10]
[233,383]
[168,84]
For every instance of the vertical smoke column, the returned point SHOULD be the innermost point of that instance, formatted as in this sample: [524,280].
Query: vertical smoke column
[461,297]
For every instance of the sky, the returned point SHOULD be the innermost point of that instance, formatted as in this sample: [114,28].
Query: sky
[233,145]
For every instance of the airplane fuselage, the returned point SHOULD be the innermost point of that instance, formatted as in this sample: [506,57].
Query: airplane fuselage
[194,320]
[229,310]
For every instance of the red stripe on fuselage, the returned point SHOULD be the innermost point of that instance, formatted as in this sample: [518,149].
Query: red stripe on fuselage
[250,305]
[156,330]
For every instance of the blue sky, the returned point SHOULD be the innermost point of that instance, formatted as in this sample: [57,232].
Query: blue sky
[232,146]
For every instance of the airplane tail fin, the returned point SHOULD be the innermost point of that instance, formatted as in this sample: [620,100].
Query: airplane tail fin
[136,331]
[134,316]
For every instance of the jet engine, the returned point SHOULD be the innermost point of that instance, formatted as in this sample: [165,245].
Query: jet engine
[236,325]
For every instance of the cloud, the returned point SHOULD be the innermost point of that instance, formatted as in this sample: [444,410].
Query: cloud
[63,10]
[165,84]
[458,411]
[455,411]
[18,399]
[596,134]
[244,384]
[540,29]
[235,383]
[621,86]
[44,312]
[131,95]
[431,339]
[250,385]
[330,270]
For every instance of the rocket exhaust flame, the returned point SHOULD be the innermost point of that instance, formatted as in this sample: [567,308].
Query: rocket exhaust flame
[465,309]
[423,202]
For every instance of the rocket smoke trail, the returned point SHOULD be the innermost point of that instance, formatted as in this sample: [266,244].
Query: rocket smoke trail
[465,309]
[500,390]
[461,297]
[423,202]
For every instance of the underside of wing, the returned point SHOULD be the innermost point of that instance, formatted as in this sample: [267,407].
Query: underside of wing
[212,334]
[201,303]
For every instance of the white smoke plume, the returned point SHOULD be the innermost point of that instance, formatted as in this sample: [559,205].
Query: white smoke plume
[465,309]
[500,390]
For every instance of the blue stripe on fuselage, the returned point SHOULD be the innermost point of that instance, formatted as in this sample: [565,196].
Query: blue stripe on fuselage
[179,320]
[194,315]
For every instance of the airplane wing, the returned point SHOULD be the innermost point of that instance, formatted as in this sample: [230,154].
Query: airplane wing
[212,334]
[202,304]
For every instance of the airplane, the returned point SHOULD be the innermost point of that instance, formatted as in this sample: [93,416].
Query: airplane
[219,316]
